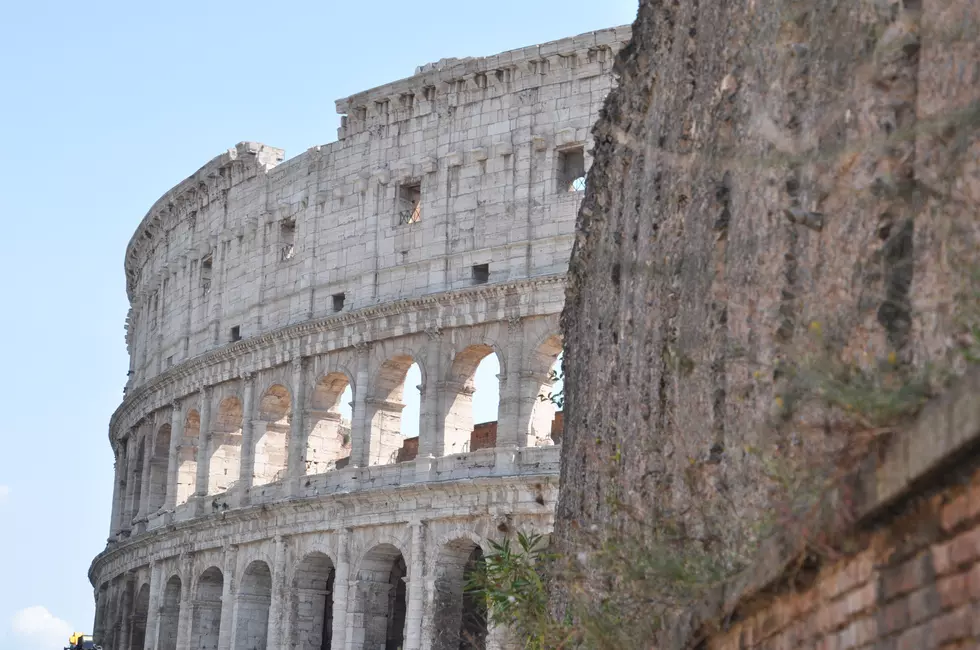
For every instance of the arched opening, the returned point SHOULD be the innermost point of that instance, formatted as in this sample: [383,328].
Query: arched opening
[272,435]
[187,457]
[170,615]
[226,446]
[329,438]
[206,610]
[159,462]
[539,388]
[312,603]
[380,603]
[460,616]
[141,607]
[138,477]
[391,419]
[254,598]
[461,389]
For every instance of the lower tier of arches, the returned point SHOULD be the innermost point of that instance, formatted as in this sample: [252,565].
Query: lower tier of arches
[378,571]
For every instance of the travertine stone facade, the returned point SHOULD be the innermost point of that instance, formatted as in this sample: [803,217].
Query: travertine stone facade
[248,511]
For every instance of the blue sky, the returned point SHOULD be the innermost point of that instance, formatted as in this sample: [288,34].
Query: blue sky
[105,106]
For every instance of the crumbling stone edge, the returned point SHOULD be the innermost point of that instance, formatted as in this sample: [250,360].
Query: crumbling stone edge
[916,460]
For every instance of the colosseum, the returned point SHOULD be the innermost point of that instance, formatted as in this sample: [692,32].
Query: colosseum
[265,496]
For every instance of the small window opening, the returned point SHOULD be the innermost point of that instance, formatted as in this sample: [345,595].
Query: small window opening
[236,333]
[480,80]
[408,101]
[338,301]
[430,93]
[409,203]
[360,113]
[287,238]
[170,361]
[571,170]
[481,273]
[206,266]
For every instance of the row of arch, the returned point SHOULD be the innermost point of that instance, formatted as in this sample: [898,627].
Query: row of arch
[375,618]
[252,444]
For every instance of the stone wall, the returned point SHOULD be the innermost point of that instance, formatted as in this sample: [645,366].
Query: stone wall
[249,512]
[765,169]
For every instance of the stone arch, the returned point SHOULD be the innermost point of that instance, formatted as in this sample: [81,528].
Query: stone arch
[252,609]
[312,603]
[169,614]
[385,405]
[187,457]
[380,599]
[458,392]
[141,608]
[272,435]
[329,432]
[206,609]
[536,383]
[226,446]
[460,620]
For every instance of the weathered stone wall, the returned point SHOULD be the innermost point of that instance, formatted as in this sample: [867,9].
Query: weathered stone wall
[763,165]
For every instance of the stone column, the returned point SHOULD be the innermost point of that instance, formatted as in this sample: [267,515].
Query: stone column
[153,612]
[128,509]
[361,424]
[118,494]
[148,444]
[341,588]
[228,591]
[98,625]
[204,445]
[508,433]
[126,610]
[185,617]
[280,594]
[173,462]
[247,468]
[429,425]
[415,589]
[297,430]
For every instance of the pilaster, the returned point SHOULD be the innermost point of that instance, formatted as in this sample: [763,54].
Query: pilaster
[361,423]
[429,426]
[247,470]
[186,616]
[148,445]
[341,588]
[128,509]
[297,432]
[118,493]
[153,612]
[176,438]
[416,589]
[228,590]
[204,445]
[509,410]
[278,608]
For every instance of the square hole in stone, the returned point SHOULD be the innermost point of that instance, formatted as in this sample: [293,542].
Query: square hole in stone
[338,301]
[236,333]
[481,273]
[571,170]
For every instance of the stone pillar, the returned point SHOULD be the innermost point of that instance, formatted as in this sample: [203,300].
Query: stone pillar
[509,412]
[228,591]
[204,445]
[128,509]
[341,589]
[98,625]
[297,429]
[429,425]
[280,594]
[173,462]
[247,469]
[360,434]
[148,444]
[415,589]
[118,494]
[126,610]
[185,617]
[153,612]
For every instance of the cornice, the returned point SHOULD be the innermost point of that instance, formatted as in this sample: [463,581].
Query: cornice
[291,335]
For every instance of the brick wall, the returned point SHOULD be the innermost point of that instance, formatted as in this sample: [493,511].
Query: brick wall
[484,436]
[901,571]
[409,450]
[557,427]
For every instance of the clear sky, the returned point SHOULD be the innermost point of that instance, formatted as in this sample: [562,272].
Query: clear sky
[105,106]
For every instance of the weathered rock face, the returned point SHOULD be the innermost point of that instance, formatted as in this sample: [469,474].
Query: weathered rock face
[763,165]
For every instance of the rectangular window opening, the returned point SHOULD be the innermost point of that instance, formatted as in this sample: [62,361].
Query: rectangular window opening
[571,170]
[481,273]
[287,239]
[207,264]
[236,333]
[409,203]
[338,301]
